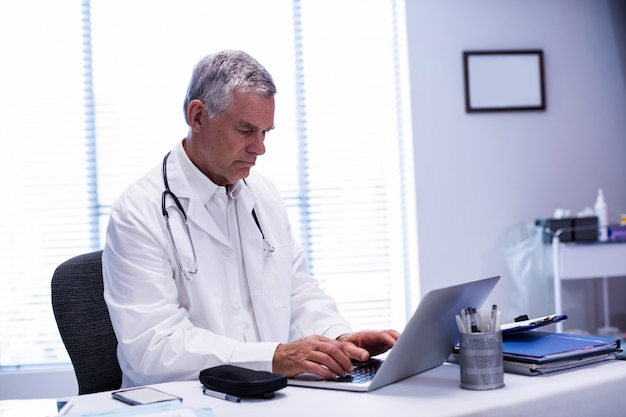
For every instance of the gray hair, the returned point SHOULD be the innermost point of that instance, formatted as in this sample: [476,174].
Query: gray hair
[218,75]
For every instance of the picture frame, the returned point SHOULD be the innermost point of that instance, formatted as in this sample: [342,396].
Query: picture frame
[504,80]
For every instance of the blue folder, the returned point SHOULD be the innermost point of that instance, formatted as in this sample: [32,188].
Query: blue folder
[542,347]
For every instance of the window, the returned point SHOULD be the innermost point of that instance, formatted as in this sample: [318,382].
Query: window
[47,211]
[99,102]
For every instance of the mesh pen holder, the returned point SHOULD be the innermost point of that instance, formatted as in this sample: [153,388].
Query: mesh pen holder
[480,358]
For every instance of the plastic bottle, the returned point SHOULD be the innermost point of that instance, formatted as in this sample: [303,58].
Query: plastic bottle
[603,217]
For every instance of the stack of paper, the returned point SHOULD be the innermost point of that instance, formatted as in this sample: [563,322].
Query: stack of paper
[536,352]
[32,408]
[160,409]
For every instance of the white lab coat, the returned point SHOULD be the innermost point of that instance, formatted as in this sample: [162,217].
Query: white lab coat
[169,328]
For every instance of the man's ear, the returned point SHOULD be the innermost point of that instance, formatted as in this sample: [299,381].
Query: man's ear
[195,109]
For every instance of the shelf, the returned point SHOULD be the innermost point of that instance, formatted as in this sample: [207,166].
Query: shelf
[591,260]
[587,260]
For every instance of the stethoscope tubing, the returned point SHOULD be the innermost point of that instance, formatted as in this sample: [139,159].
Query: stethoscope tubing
[267,247]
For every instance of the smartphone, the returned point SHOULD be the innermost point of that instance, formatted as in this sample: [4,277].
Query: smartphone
[143,395]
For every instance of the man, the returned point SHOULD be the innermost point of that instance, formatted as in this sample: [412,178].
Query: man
[232,287]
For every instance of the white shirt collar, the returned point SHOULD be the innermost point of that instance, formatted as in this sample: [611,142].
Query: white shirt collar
[200,184]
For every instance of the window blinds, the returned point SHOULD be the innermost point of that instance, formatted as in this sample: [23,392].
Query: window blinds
[46,205]
[105,105]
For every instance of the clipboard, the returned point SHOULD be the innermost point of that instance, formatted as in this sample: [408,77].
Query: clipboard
[531,324]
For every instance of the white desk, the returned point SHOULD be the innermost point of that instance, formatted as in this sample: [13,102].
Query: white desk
[594,390]
[586,260]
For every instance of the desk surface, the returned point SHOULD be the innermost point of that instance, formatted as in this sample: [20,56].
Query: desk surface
[585,391]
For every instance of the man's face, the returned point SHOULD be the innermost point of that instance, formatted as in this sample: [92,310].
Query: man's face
[226,147]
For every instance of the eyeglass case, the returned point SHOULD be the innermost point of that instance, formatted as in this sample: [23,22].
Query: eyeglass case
[242,382]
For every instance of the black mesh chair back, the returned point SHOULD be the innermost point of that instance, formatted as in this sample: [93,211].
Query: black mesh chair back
[84,323]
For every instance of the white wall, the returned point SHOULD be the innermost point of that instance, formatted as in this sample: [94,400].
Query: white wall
[479,176]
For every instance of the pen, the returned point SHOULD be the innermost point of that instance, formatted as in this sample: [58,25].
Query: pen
[494,312]
[221,395]
[474,327]
[498,321]
[459,323]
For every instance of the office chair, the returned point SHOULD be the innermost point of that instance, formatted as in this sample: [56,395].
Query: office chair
[84,323]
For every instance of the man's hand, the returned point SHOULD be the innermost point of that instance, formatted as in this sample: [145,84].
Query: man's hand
[314,354]
[330,358]
[365,344]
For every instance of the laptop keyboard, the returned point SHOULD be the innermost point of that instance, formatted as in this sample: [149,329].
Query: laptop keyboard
[363,372]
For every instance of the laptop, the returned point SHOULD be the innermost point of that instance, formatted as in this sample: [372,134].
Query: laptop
[426,342]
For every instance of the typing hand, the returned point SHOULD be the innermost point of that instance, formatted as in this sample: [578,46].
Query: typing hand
[314,354]
[362,345]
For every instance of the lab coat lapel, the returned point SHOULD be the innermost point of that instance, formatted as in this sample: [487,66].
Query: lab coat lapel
[252,246]
[197,214]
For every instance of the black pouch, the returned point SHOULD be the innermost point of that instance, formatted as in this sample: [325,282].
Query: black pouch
[242,382]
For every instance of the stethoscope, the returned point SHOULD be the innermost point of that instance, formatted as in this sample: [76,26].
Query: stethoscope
[267,247]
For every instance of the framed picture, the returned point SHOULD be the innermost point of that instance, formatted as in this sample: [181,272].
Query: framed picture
[504,80]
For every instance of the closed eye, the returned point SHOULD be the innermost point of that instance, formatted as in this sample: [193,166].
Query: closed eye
[248,130]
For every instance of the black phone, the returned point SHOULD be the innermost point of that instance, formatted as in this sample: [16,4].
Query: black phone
[143,395]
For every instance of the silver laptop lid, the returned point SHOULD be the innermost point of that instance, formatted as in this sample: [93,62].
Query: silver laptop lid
[431,333]
[427,339]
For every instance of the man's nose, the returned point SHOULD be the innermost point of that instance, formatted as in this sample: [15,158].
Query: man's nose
[257,146]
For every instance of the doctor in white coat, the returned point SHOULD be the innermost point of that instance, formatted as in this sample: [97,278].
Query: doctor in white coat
[200,266]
